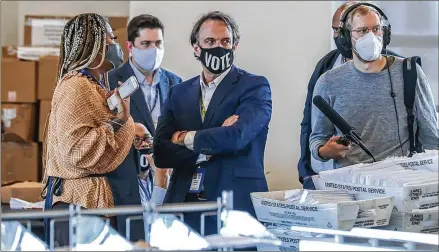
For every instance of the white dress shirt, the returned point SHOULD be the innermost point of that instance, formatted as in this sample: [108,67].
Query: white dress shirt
[207,91]
[152,95]
[150,91]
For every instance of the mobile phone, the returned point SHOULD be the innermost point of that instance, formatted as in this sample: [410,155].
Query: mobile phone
[127,89]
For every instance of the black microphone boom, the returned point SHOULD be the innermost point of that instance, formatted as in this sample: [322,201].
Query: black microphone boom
[347,130]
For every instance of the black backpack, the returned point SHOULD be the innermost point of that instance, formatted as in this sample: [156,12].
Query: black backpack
[410,74]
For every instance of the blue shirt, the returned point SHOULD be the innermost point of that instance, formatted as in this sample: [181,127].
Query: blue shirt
[150,91]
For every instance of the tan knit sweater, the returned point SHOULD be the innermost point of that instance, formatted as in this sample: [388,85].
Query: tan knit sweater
[79,142]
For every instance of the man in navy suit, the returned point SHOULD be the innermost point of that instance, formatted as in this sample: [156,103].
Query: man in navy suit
[213,127]
[145,45]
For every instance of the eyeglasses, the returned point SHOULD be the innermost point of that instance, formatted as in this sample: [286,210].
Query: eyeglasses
[138,140]
[144,138]
[377,30]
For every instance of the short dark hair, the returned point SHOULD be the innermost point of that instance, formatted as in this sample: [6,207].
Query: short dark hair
[215,15]
[142,22]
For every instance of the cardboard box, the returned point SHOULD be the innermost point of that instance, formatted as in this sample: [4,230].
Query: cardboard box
[47,76]
[118,23]
[18,80]
[44,112]
[272,207]
[19,162]
[407,198]
[20,119]
[28,191]
[47,30]
[419,221]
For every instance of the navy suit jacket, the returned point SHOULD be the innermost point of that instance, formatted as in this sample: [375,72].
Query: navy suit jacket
[304,165]
[238,151]
[123,180]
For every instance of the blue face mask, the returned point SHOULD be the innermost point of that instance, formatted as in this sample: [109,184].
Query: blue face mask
[148,59]
[115,55]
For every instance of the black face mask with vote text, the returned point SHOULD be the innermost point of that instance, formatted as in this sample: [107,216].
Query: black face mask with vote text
[143,162]
[217,59]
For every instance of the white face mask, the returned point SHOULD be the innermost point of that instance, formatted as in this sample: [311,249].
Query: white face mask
[148,59]
[369,46]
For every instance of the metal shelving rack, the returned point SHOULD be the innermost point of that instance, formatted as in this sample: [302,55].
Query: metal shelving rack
[138,212]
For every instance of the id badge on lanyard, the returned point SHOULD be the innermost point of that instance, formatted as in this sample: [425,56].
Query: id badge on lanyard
[197,180]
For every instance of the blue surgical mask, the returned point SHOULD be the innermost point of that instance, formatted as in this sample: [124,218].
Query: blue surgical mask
[115,55]
[148,59]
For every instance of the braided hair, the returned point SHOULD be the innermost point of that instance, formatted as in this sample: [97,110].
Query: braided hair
[82,38]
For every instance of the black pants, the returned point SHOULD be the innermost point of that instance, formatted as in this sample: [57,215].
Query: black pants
[62,227]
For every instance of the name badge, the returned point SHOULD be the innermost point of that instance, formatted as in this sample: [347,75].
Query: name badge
[197,180]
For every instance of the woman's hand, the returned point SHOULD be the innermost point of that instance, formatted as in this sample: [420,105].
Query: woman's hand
[124,114]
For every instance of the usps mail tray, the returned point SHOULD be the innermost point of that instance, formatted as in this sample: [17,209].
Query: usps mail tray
[272,207]
[407,198]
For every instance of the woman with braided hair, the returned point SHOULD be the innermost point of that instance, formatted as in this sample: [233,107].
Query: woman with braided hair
[84,140]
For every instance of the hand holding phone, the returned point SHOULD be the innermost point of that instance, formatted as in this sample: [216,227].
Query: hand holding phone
[123,106]
[125,90]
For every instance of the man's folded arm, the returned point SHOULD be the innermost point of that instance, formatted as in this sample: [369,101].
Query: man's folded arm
[254,114]
[167,154]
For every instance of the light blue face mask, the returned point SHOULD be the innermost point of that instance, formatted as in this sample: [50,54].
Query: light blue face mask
[115,55]
[148,59]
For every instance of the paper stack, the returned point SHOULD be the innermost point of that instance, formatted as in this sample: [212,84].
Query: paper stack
[412,181]
[321,209]
[15,203]
[35,53]
[339,210]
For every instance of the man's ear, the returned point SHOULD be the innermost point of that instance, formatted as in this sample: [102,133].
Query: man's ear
[235,46]
[129,45]
[197,50]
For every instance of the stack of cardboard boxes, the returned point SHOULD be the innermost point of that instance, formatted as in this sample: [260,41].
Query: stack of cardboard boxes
[27,85]
[19,109]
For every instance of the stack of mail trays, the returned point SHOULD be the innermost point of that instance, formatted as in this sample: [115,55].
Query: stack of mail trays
[340,210]
[413,182]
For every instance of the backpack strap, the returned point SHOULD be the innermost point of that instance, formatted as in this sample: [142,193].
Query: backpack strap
[410,74]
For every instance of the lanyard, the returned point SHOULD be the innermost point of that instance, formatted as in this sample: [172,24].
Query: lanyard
[155,99]
[146,191]
[87,73]
[203,108]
